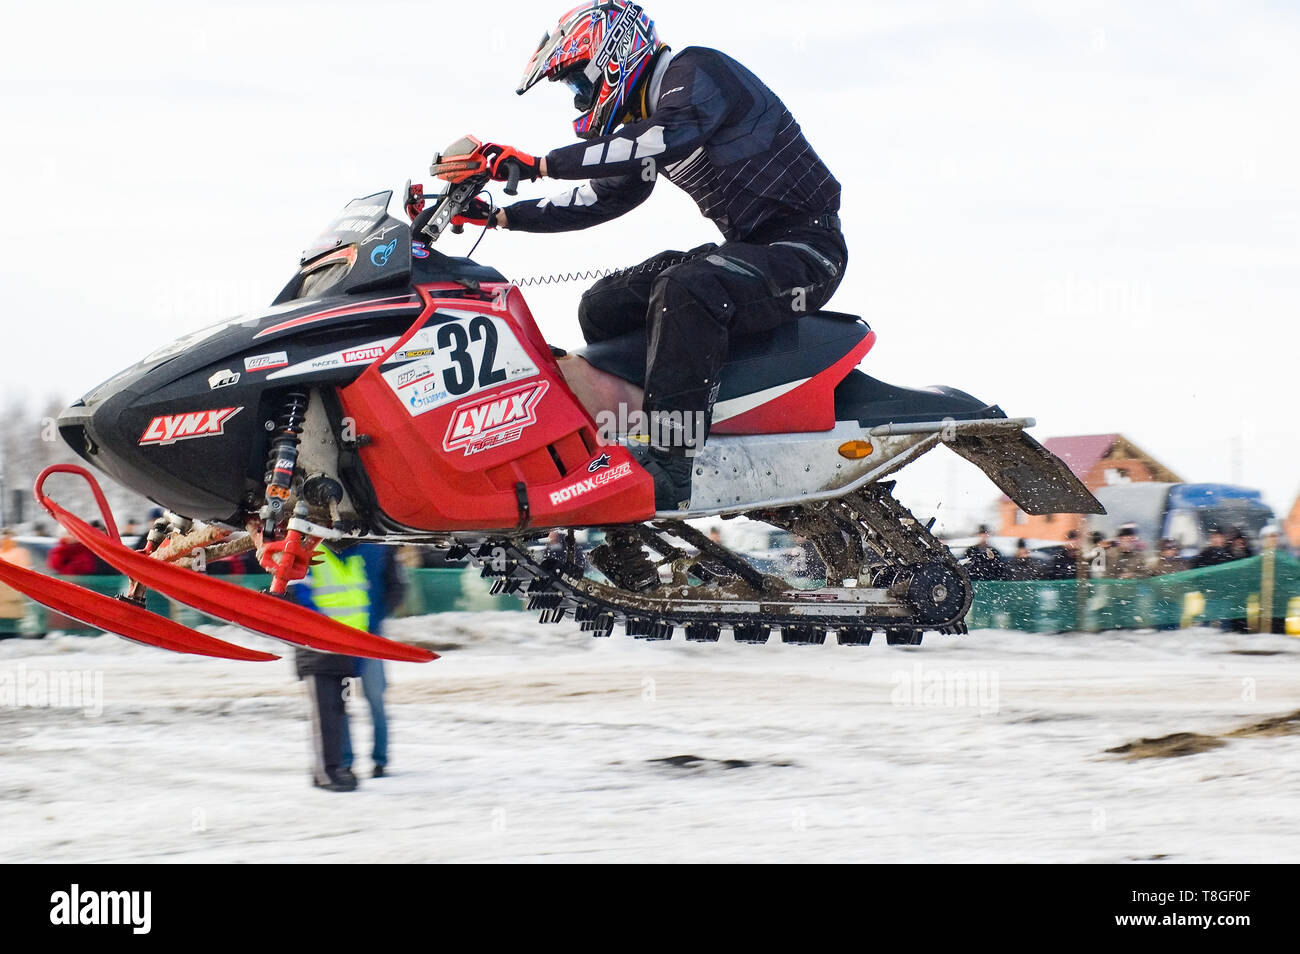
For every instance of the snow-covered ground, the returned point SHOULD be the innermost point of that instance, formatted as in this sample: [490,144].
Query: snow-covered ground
[538,743]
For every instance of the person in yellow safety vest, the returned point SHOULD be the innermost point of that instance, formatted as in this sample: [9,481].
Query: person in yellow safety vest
[358,586]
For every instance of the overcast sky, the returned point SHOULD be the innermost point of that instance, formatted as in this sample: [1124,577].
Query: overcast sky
[1087,212]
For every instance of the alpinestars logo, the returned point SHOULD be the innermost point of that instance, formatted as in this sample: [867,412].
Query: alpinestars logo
[493,421]
[591,483]
[600,463]
[171,428]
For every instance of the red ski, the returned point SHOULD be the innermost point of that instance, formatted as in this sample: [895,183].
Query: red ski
[122,616]
[272,616]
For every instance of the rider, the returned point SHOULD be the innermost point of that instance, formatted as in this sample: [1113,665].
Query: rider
[713,129]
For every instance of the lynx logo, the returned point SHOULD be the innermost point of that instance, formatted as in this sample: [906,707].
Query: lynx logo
[133,908]
[182,427]
[265,362]
[600,463]
[590,484]
[369,353]
[499,419]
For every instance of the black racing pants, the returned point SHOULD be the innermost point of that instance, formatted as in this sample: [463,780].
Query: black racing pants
[329,717]
[691,303]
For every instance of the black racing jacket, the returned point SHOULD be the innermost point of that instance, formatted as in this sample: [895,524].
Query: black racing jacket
[715,131]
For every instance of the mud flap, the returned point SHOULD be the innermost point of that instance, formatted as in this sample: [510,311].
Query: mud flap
[1035,479]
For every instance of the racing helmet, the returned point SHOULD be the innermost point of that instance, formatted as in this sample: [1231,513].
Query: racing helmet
[602,51]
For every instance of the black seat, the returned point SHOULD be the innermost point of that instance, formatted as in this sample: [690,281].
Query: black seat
[794,351]
[862,398]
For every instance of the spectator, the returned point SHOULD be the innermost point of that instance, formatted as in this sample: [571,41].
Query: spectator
[1064,562]
[1098,556]
[358,587]
[1240,547]
[70,558]
[1127,561]
[983,561]
[1168,559]
[1022,566]
[102,567]
[13,605]
[1217,552]
[1270,538]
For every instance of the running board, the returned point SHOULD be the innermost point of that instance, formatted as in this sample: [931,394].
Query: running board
[1036,480]
[736,474]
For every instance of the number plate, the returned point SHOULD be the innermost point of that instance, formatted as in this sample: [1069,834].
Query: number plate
[456,359]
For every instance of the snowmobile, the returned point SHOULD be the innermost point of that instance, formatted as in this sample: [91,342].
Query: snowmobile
[394,393]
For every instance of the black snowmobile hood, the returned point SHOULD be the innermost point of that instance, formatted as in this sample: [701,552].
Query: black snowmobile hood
[223,382]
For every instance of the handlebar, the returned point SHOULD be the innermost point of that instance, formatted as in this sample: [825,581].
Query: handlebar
[430,223]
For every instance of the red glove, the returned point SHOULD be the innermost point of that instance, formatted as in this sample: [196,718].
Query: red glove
[477,212]
[498,158]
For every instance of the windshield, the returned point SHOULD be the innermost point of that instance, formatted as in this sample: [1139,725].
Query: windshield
[359,218]
[362,249]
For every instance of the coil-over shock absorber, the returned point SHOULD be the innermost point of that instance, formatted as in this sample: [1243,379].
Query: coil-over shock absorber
[282,458]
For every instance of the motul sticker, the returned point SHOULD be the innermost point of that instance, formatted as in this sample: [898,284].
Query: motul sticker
[265,362]
[363,354]
[493,421]
[171,428]
[582,487]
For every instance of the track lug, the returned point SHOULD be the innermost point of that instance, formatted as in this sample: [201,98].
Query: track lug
[903,637]
[753,633]
[702,632]
[854,636]
[803,635]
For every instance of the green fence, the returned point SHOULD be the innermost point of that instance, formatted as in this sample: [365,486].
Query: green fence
[429,591]
[1228,592]
[1231,591]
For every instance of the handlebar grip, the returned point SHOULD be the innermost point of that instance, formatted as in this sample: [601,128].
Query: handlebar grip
[512,180]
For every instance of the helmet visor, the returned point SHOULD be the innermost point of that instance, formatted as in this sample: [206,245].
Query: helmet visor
[581,85]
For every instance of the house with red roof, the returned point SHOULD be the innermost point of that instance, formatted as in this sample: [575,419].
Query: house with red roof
[1096,459]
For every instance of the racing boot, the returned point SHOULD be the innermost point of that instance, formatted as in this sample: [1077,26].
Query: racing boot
[672,476]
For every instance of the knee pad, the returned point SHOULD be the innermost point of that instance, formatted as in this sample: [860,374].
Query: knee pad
[687,292]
